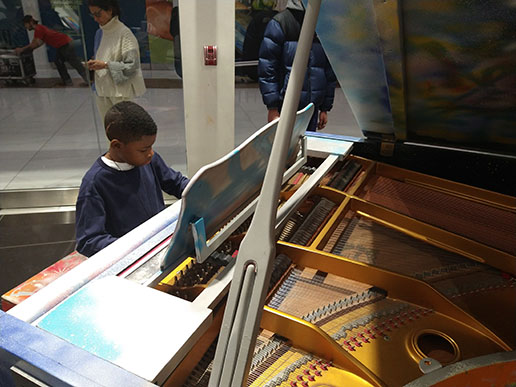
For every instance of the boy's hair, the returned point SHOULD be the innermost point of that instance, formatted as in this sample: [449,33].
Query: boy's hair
[106,5]
[127,122]
[28,18]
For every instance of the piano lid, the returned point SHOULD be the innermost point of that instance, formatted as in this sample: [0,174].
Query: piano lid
[429,71]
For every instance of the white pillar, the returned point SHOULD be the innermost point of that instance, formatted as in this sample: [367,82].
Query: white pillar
[209,91]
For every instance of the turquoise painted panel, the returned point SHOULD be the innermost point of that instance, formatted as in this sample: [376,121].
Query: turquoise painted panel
[441,71]
[350,37]
[389,27]
[220,190]
[123,322]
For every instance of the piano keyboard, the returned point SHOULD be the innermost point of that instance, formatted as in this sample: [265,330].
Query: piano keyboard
[303,227]
[345,175]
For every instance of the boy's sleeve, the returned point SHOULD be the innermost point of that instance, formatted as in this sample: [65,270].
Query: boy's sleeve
[171,181]
[90,225]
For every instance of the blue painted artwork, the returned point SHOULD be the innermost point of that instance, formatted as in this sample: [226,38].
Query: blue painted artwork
[350,37]
[439,72]
[220,190]
[123,322]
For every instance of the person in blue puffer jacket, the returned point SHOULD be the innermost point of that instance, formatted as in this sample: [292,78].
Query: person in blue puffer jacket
[275,63]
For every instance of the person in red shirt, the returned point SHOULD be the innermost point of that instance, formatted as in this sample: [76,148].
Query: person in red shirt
[59,41]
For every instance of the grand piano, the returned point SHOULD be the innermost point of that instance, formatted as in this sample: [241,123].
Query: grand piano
[395,257]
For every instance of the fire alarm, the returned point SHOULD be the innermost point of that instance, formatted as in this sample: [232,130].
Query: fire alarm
[210,55]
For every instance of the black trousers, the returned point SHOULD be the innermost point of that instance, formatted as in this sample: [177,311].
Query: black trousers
[66,53]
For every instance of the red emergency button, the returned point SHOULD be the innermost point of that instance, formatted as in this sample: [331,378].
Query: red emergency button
[210,55]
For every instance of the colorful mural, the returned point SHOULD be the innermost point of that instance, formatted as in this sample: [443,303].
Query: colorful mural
[350,37]
[440,72]
[460,62]
[40,280]
[388,24]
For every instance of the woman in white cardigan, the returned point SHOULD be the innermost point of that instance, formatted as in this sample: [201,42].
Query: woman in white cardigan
[118,74]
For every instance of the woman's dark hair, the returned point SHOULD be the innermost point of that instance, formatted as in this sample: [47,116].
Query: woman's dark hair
[127,122]
[106,5]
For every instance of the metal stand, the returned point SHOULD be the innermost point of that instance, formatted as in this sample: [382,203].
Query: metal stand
[204,248]
[257,251]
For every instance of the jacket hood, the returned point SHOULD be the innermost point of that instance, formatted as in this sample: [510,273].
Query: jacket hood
[295,5]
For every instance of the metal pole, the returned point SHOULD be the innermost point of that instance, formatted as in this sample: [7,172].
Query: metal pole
[259,245]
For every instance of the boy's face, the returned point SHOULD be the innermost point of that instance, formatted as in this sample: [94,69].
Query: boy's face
[29,26]
[136,153]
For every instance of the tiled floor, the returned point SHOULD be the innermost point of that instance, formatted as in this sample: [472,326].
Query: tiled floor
[49,137]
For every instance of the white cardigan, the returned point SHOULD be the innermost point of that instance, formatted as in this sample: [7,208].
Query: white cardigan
[119,48]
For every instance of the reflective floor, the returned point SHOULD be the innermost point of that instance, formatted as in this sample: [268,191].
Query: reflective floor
[51,136]
[31,242]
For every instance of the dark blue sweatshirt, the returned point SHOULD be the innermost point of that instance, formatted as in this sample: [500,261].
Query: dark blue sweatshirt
[112,203]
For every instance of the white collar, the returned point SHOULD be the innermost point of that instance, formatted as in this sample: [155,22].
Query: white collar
[116,165]
[110,25]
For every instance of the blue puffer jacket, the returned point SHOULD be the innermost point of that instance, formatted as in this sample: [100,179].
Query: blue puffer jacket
[275,63]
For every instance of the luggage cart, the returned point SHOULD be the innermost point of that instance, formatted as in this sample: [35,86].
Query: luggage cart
[14,68]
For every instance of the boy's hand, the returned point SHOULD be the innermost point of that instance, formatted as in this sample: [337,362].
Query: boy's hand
[18,50]
[94,64]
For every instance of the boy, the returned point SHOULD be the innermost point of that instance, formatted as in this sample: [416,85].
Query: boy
[123,188]
[61,42]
